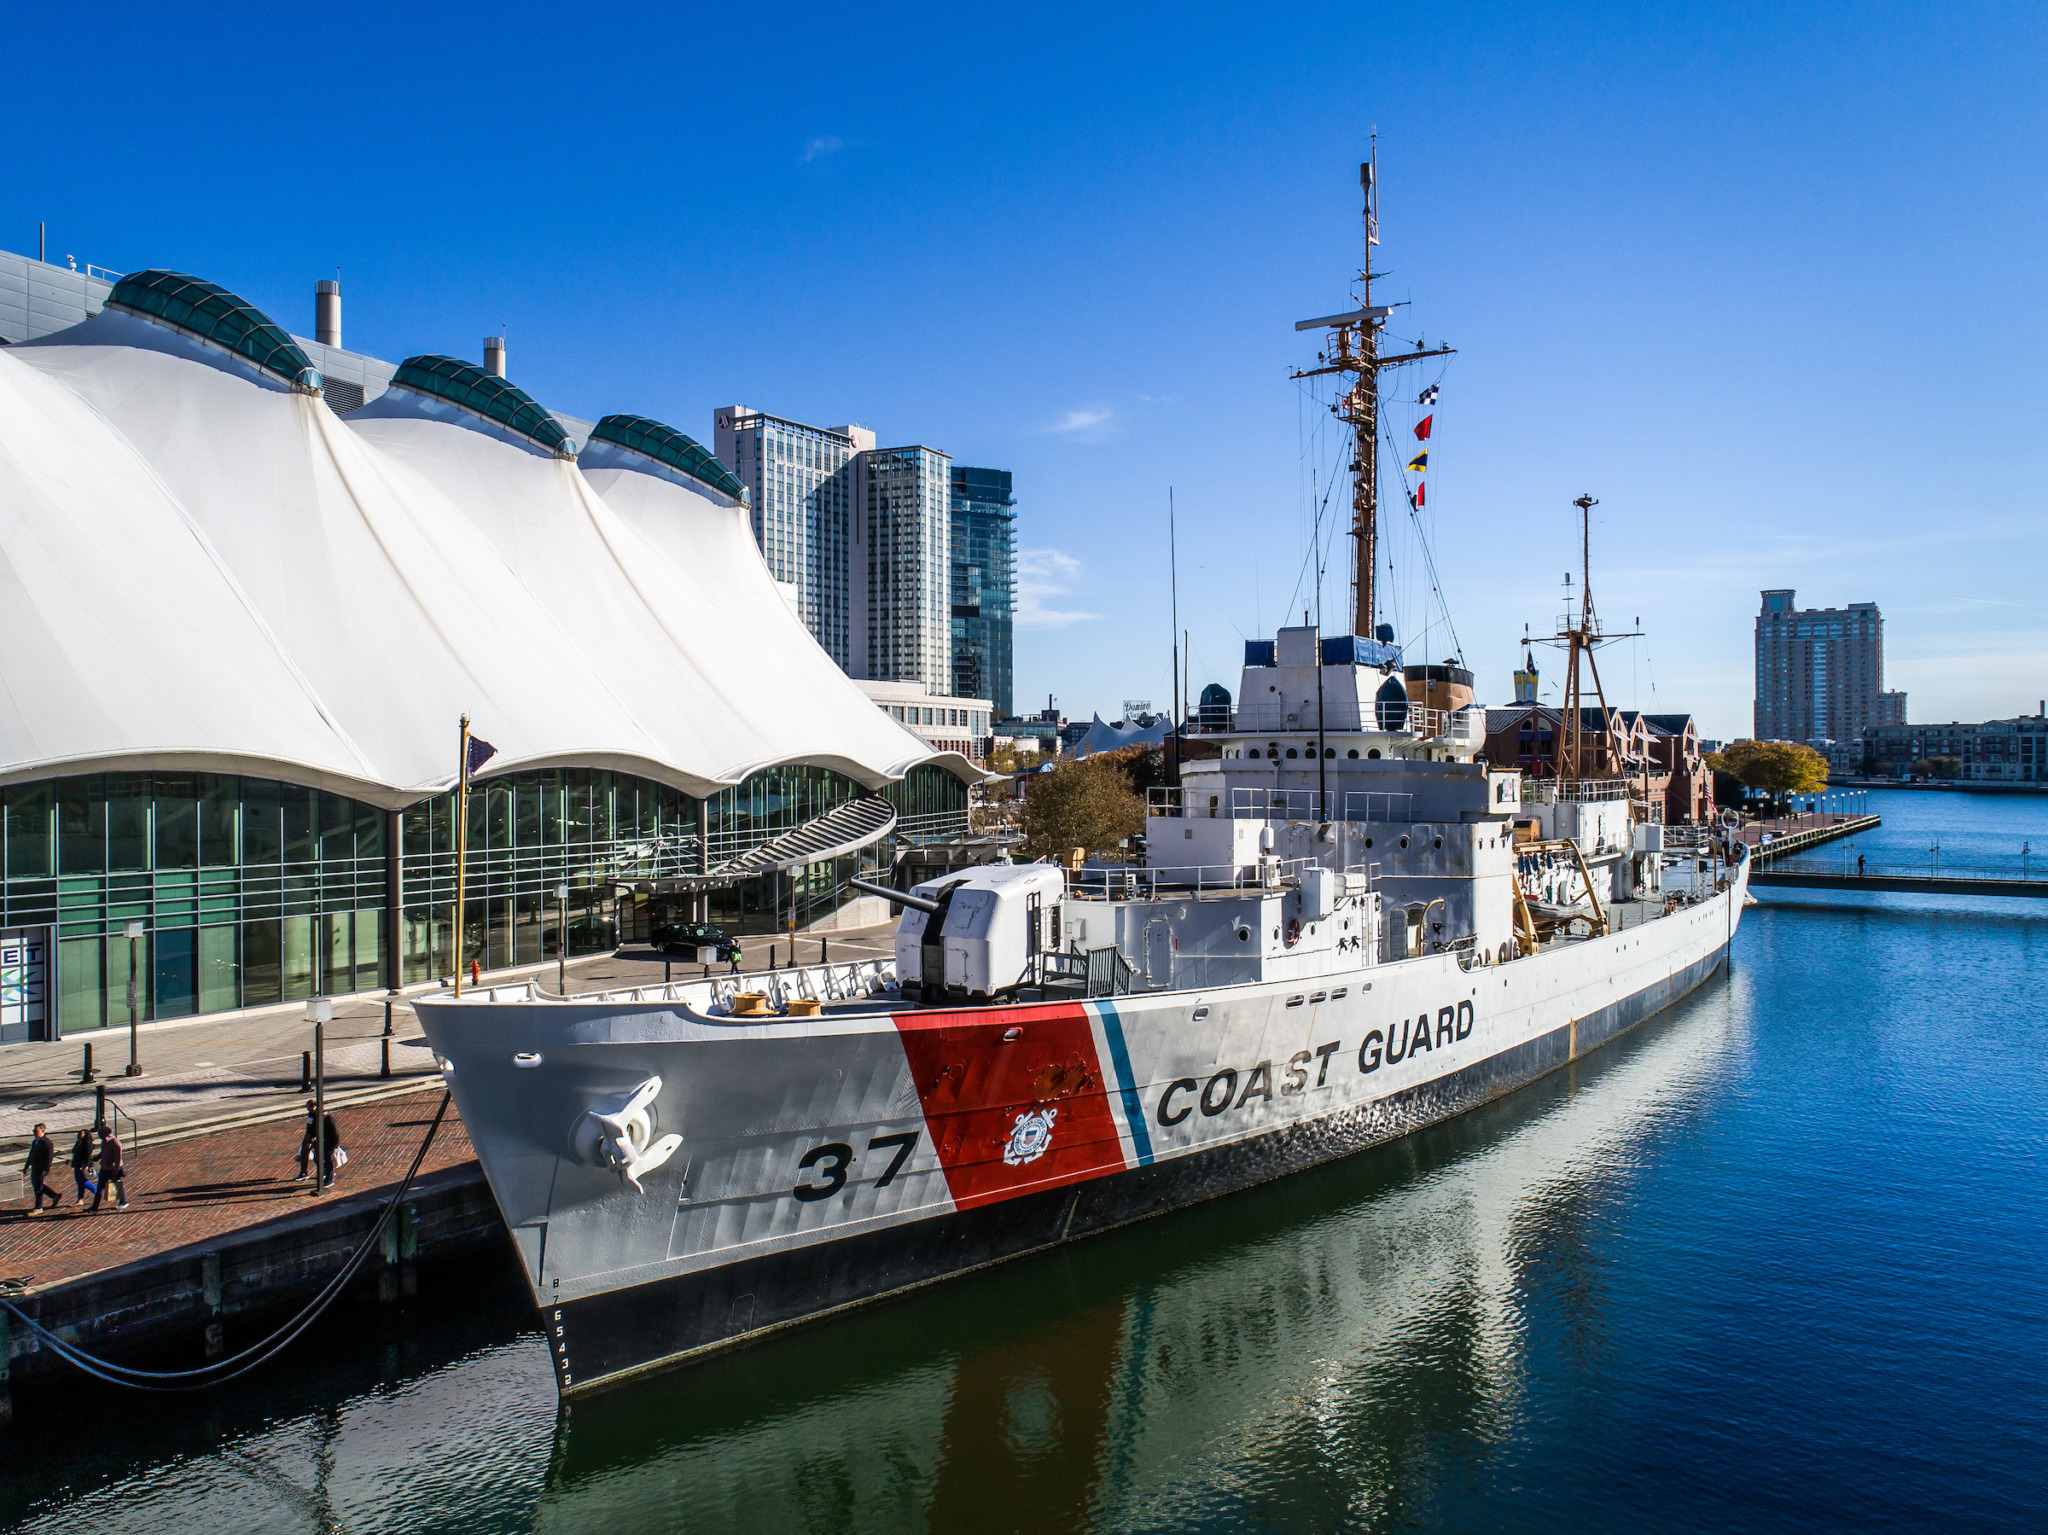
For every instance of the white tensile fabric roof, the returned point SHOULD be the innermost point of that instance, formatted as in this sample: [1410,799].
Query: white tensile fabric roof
[200,568]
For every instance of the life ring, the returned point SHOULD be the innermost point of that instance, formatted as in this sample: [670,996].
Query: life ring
[1293,931]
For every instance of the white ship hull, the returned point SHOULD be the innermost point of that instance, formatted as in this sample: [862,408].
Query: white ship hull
[828,1161]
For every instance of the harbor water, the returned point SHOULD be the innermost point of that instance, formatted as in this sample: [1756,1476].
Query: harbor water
[1776,1260]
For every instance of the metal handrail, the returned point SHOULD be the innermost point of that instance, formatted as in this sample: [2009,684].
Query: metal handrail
[1577,791]
[1171,882]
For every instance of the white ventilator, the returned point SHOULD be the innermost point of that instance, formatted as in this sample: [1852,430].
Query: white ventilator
[618,1132]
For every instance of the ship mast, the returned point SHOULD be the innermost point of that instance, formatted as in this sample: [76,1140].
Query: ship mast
[1579,634]
[1353,351]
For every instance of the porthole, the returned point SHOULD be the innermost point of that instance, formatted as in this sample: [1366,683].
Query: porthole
[1253,752]
[1438,843]
[1374,752]
[1352,753]
[1290,751]
[1368,842]
[1329,751]
[1404,842]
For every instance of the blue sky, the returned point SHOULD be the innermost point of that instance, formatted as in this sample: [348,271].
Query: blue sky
[1767,280]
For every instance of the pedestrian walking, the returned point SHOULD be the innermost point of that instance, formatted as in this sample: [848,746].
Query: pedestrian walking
[1859,866]
[733,953]
[317,1129]
[113,1175]
[42,1154]
[81,1165]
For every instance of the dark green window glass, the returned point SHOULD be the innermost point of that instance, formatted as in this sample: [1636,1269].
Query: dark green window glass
[81,997]
[479,819]
[262,826]
[369,948]
[337,829]
[128,796]
[299,957]
[369,831]
[177,821]
[175,963]
[220,968]
[210,312]
[497,798]
[493,398]
[666,445]
[262,963]
[219,816]
[338,953]
[30,818]
[576,810]
[82,825]
[551,808]
[418,829]
[301,825]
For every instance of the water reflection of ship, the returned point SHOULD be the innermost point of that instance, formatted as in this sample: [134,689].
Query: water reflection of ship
[1324,1315]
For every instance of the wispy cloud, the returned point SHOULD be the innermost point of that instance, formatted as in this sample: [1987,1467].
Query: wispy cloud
[1079,423]
[819,148]
[1044,576]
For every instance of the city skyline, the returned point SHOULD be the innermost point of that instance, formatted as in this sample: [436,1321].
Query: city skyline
[1704,213]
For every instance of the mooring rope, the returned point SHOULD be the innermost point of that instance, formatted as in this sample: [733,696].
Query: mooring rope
[223,1370]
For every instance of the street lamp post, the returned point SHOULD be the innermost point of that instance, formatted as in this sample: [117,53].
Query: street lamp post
[562,942]
[134,932]
[318,1011]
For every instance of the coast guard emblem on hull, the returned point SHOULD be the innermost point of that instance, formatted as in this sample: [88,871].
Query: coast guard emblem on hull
[1032,1137]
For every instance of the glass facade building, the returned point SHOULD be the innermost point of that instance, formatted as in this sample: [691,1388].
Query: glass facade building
[248,891]
[984,584]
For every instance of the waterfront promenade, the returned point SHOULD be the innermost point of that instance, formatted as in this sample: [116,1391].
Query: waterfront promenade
[205,1188]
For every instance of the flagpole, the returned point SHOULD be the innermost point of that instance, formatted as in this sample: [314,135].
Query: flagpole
[461,845]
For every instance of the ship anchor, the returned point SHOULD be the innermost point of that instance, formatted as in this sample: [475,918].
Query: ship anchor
[618,1133]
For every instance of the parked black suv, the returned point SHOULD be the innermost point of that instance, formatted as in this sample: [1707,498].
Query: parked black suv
[693,941]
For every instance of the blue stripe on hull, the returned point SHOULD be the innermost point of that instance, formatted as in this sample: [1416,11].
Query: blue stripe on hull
[1126,1081]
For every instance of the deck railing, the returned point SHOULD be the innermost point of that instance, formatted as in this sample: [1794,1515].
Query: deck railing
[1272,805]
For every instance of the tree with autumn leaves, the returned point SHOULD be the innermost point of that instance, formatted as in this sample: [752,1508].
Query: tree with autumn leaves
[1091,802]
[1772,770]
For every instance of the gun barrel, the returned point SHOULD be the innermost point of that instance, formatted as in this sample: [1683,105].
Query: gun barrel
[900,897]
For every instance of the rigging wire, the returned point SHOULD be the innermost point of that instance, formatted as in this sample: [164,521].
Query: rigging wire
[267,1349]
[1428,555]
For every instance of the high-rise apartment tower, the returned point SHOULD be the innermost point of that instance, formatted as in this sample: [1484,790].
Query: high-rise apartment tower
[1819,671]
[860,536]
[801,481]
[902,567]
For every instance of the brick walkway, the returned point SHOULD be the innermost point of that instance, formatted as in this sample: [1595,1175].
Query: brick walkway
[193,1190]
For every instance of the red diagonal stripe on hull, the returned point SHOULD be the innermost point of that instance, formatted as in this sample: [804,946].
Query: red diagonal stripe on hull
[975,1087]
